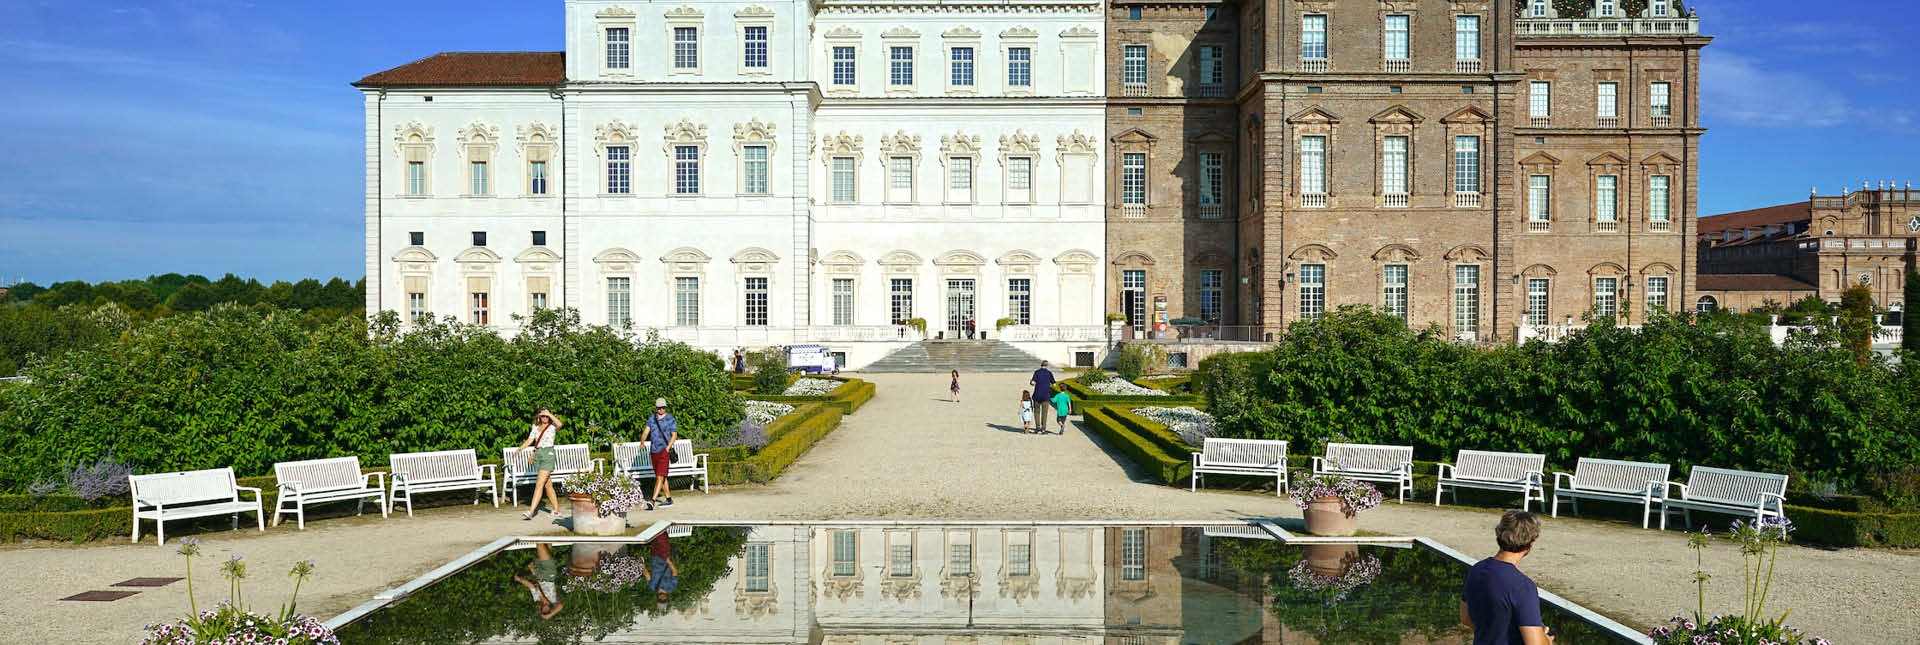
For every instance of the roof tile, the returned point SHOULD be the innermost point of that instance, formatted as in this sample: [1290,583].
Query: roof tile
[1749,282]
[1795,212]
[475,69]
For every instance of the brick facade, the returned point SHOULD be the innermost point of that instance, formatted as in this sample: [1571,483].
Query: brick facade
[1397,138]
[1780,254]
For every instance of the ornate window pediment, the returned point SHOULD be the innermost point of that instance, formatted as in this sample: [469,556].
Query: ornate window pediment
[536,134]
[960,144]
[685,133]
[1135,136]
[1018,257]
[900,143]
[842,144]
[1396,254]
[1607,269]
[537,255]
[477,258]
[841,32]
[754,255]
[614,12]
[478,140]
[1134,259]
[1019,144]
[1079,31]
[1539,271]
[1540,163]
[1313,116]
[1076,256]
[1313,253]
[614,132]
[843,258]
[415,254]
[754,132]
[901,258]
[685,12]
[901,31]
[1077,143]
[413,134]
[1210,137]
[616,259]
[1658,268]
[1019,32]
[1397,115]
[1607,160]
[1660,160]
[685,254]
[1468,115]
[961,32]
[959,258]
[754,11]
[1468,253]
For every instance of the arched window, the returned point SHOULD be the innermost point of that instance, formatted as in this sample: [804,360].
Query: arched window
[1706,305]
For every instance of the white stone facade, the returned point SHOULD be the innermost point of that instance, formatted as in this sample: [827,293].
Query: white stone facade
[716,170]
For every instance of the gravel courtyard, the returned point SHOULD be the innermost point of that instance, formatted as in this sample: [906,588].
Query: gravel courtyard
[909,454]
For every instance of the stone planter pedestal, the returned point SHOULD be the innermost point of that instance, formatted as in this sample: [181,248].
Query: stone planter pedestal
[1327,516]
[587,520]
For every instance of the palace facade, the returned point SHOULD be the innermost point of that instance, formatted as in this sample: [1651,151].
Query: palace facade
[748,173]
[1752,259]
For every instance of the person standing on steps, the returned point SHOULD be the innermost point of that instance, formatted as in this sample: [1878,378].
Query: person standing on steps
[662,431]
[953,391]
[1042,392]
[1501,604]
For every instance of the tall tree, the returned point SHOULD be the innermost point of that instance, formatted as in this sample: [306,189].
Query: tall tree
[1857,326]
[1909,321]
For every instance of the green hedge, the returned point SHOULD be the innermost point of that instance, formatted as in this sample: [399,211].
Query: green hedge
[1841,528]
[849,397]
[1151,450]
[1181,386]
[67,526]
[789,437]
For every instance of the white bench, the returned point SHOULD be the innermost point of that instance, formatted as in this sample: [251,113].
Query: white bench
[194,493]
[630,459]
[1612,480]
[1518,472]
[433,472]
[568,460]
[1723,490]
[1369,462]
[1262,457]
[318,481]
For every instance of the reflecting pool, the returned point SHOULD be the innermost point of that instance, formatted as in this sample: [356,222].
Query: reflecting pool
[945,584]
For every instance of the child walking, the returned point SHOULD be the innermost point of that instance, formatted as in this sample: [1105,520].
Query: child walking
[1026,412]
[953,391]
[1060,403]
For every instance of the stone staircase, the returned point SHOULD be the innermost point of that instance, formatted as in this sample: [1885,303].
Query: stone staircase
[964,355]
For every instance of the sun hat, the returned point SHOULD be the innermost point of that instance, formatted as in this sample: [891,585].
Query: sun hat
[659,403]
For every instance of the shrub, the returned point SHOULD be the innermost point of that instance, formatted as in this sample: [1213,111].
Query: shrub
[104,478]
[1136,358]
[769,370]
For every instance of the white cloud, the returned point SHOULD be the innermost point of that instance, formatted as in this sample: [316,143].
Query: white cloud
[1738,90]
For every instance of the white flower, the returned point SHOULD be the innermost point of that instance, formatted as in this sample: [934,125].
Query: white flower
[1193,425]
[1123,387]
[811,387]
[764,412]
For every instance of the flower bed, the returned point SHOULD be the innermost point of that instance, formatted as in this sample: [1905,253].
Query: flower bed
[1123,387]
[811,387]
[764,412]
[1192,425]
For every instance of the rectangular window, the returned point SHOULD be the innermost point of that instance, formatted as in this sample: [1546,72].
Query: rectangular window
[1213,66]
[1393,168]
[618,52]
[1213,179]
[1661,96]
[686,170]
[537,177]
[1133,178]
[619,171]
[900,559]
[756,302]
[1606,202]
[1606,294]
[538,299]
[1466,38]
[900,300]
[479,238]
[1133,67]
[1313,291]
[1537,301]
[416,178]
[480,310]
[844,187]
[686,301]
[417,238]
[1466,164]
[1466,302]
[1020,179]
[900,72]
[619,301]
[962,67]
[416,306]
[1133,554]
[1657,202]
[1607,104]
[1019,67]
[1539,200]
[754,174]
[1313,165]
[843,301]
[1659,8]
[686,48]
[1539,99]
[1019,560]
[959,560]
[1020,300]
[1604,8]
[1313,36]
[539,238]
[846,553]
[478,172]
[1393,290]
[1133,296]
[1538,8]
[758,576]
[1396,45]
[900,179]
[1212,294]
[754,54]
[1656,294]
[1133,13]
[960,179]
[844,68]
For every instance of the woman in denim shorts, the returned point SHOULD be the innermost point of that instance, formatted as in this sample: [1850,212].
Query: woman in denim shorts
[540,439]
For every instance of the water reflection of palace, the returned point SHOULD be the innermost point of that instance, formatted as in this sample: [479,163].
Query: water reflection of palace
[974,585]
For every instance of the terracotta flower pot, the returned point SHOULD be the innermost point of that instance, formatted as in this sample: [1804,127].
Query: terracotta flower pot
[584,559]
[587,520]
[1328,516]
[1331,560]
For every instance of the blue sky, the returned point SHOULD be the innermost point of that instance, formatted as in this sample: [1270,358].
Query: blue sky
[215,136]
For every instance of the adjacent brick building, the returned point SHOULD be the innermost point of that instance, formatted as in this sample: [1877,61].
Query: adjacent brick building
[1471,164]
[1779,254]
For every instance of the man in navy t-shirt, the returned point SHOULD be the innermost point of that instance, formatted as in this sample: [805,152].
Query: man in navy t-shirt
[1501,604]
[1042,396]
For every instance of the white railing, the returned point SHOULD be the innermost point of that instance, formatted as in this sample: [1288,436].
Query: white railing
[1540,121]
[855,333]
[1313,200]
[1212,211]
[1887,336]
[1659,226]
[1587,27]
[1133,89]
[1606,227]
[1133,211]
[1662,121]
[1466,66]
[1054,333]
[757,336]
[1466,200]
[1553,333]
[1211,91]
[1608,121]
[1396,200]
[1539,225]
[1315,65]
[1398,65]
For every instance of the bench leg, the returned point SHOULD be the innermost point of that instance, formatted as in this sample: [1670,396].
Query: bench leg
[1438,488]
[236,521]
[301,515]
[160,531]
[1193,481]
[382,501]
[703,484]
[1646,513]
[261,521]
[136,529]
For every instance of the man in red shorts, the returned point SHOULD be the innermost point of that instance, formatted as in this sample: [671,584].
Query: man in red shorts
[662,431]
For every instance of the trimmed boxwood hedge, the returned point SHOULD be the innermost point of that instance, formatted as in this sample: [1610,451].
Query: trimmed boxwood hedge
[1842,528]
[851,394]
[1084,396]
[1149,444]
[788,438]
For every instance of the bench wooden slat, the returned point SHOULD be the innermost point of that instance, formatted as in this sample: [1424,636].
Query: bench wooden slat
[1382,463]
[1725,490]
[1261,457]
[632,459]
[439,471]
[319,481]
[1519,472]
[1612,480]
[194,493]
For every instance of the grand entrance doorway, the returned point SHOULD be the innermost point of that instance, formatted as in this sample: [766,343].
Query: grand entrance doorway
[959,306]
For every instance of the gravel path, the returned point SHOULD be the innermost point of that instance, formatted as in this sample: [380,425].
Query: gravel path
[911,455]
